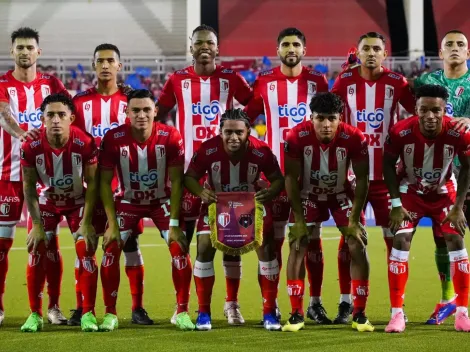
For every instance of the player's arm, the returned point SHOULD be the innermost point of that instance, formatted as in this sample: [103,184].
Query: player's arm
[361,170]
[166,101]
[106,194]
[407,98]
[243,92]
[274,175]
[196,170]
[8,123]
[255,106]
[176,175]
[86,230]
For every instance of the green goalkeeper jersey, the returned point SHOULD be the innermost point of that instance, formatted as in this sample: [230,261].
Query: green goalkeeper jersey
[458,104]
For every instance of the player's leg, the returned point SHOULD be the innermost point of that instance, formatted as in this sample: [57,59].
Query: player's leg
[204,274]
[76,315]
[233,274]
[268,274]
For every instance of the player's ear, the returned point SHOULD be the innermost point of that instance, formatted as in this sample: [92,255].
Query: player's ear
[72,118]
[385,53]
[156,110]
[304,52]
[119,67]
[39,52]
[11,51]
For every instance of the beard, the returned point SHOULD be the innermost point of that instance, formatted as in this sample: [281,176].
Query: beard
[24,64]
[289,62]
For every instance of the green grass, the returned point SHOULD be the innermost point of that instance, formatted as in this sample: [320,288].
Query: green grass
[423,292]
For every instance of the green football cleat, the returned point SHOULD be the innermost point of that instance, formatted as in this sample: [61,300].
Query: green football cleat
[34,323]
[89,323]
[295,323]
[183,321]
[110,322]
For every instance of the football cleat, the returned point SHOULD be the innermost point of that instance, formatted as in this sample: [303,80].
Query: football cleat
[344,311]
[34,323]
[397,323]
[110,323]
[203,322]
[295,323]
[233,314]
[173,318]
[442,312]
[55,316]
[88,322]
[75,317]
[317,313]
[462,322]
[271,322]
[140,317]
[183,322]
[361,323]
[2,317]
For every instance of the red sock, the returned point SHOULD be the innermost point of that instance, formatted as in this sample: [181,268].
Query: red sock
[295,290]
[397,276]
[360,292]
[54,270]
[110,276]
[314,264]
[78,293]
[278,242]
[5,245]
[36,278]
[181,271]
[389,244]
[204,278]
[460,276]
[268,279]
[344,267]
[134,267]
[88,278]
[233,274]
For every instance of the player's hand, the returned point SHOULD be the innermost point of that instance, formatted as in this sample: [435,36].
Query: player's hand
[397,216]
[358,232]
[111,234]
[35,237]
[31,135]
[126,89]
[461,124]
[263,196]
[177,235]
[297,233]
[208,196]
[87,231]
[457,218]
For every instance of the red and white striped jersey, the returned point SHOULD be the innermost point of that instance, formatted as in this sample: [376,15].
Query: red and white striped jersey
[226,176]
[201,101]
[142,168]
[324,167]
[61,171]
[97,114]
[285,102]
[25,100]
[371,106]
[427,164]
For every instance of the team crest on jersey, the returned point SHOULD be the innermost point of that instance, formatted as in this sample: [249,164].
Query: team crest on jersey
[224,219]
[246,220]
[77,159]
[186,205]
[224,85]
[215,167]
[12,92]
[448,151]
[308,151]
[108,260]
[312,88]
[389,92]
[160,151]
[272,86]
[87,106]
[180,262]
[341,154]
[89,264]
[252,169]
[459,91]
[5,209]
[33,259]
[186,84]
[351,90]
[45,90]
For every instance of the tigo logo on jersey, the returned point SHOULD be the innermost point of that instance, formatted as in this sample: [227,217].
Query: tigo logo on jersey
[209,112]
[62,183]
[328,179]
[430,176]
[99,131]
[373,118]
[297,113]
[242,187]
[34,118]
[148,179]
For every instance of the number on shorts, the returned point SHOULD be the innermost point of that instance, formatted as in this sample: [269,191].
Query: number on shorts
[165,207]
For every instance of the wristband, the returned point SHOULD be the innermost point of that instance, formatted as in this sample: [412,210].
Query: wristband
[396,202]
[174,222]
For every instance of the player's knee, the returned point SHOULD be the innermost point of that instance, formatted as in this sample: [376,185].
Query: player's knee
[7,232]
[387,233]
[279,230]
[402,241]
[205,251]
[133,258]
[232,258]
[454,242]
[439,241]
[132,245]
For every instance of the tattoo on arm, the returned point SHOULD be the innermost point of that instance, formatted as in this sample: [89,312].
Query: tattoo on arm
[30,193]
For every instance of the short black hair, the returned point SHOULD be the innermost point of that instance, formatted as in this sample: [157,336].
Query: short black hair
[235,115]
[25,32]
[432,91]
[140,94]
[58,98]
[107,46]
[205,27]
[371,35]
[291,31]
[456,31]
[326,103]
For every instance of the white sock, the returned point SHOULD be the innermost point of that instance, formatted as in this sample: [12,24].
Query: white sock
[396,310]
[345,298]
[462,310]
[314,300]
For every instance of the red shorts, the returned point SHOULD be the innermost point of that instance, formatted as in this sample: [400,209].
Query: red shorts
[379,199]
[11,202]
[318,211]
[130,215]
[190,206]
[281,208]
[435,207]
[100,221]
[204,228]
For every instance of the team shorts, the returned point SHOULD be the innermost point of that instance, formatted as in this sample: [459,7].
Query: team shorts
[379,199]
[11,202]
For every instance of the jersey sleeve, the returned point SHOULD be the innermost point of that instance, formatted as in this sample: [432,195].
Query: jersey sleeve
[4,96]
[271,165]
[255,106]
[175,155]
[359,150]
[79,118]
[26,156]
[336,89]
[392,144]
[199,161]
[465,147]
[243,91]
[167,97]
[107,154]
[59,88]
[292,145]
[322,86]
[418,82]
[91,155]
[407,98]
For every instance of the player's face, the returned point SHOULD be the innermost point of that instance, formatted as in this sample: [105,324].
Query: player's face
[430,112]
[106,64]
[57,119]
[234,135]
[25,51]
[291,50]
[141,113]
[371,52]
[325,125]
[454,49]
[204,47]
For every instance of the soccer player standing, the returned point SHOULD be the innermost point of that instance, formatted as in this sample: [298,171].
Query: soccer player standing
[234,160]
[22,90]
[202,93]
[318,154]
[98,110]
[55,169]
[283,95]
[149,158]
[427,145]
[371,94]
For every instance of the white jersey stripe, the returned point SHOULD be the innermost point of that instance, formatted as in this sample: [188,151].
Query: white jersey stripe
[58,168]
[216,176]
[143,169]
[307,186]
[160,153]
[88,115]
[352,103]
[273,106]
[105,113]
[292,96]
[41,169]
[125,170]
[223,94]
[324,171]
[206,100]
[189,131]
[234,175]
[77,169]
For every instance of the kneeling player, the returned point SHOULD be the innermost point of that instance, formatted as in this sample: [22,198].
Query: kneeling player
[318,154]
[60,161]
[147,157]
[234,160]
[427,144]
